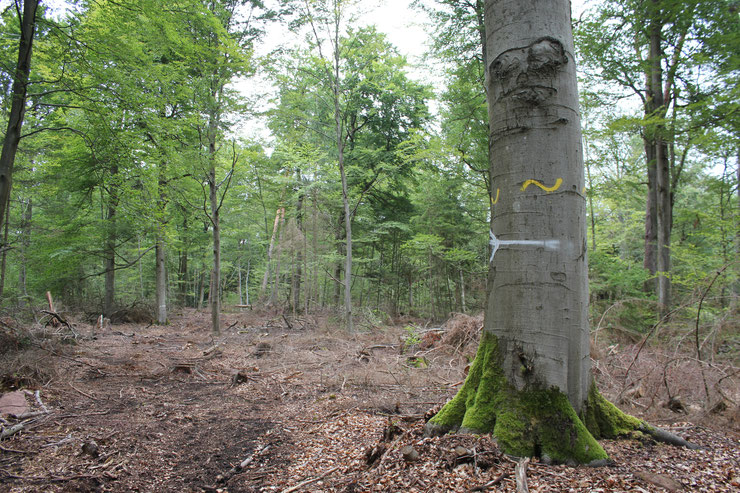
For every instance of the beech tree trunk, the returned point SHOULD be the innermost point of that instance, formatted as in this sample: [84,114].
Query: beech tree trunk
[160,260]
[538,284]
[530,377]
[3,262]
[110,246]
[25,243]
[662,194]
[214,295]
[266,277]
[18,104]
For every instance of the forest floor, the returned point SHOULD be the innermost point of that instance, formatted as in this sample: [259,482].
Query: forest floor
[287,405]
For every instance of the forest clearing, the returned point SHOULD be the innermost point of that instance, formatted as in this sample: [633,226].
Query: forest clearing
[256,245]
[308,407]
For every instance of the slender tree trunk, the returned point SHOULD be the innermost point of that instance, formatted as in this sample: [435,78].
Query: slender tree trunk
[266,277]
[182,276]
[246,281]
[462,291]
[110,246]
[5,247]
[216,272]
[140,265]
[339,128]
[340,237]
[18,105]
[160,260]
[298,271]
[278,258]
[201,288]
[239,278]
[25,244]
[589,184]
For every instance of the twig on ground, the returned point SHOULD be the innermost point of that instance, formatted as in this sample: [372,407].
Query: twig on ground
[81,392]
[310,481]
[222,478]
[489,484]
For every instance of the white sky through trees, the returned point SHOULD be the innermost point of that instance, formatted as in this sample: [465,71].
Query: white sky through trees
[405,27]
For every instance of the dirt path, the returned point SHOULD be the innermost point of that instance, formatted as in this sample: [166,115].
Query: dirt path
[165,409]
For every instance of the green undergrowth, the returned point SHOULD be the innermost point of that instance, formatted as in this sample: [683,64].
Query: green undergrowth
[531,422]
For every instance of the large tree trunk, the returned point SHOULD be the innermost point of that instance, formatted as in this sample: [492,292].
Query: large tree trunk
[662,193]
[18,104]
[530,381]
[650,259]
[533,362]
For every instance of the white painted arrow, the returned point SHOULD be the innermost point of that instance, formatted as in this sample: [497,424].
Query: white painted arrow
[546,244]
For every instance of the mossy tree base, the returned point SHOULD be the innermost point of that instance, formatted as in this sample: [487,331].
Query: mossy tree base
[533,422]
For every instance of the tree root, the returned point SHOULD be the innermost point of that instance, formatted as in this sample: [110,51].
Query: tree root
[536,421]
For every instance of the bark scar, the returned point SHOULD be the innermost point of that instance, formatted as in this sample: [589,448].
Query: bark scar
[526,73]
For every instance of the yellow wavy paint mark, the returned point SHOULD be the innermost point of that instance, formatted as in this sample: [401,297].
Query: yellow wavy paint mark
[493,202]
[558,182]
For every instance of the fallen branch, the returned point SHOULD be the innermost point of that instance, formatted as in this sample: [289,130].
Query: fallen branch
[7,432]
[521,475]
[489,484]
[37,395]
[310,481]
[222,478]
[59,318]
[14,451]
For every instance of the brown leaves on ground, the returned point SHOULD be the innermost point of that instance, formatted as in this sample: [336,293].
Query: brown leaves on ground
[268,408]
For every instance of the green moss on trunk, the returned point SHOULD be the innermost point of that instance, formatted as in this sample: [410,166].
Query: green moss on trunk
[530,422]
[605,420]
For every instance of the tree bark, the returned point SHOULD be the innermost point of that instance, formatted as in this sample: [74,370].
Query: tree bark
[533,361]
[538,300]
[18,105]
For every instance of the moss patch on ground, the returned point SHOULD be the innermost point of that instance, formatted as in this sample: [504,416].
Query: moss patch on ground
[531,422]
